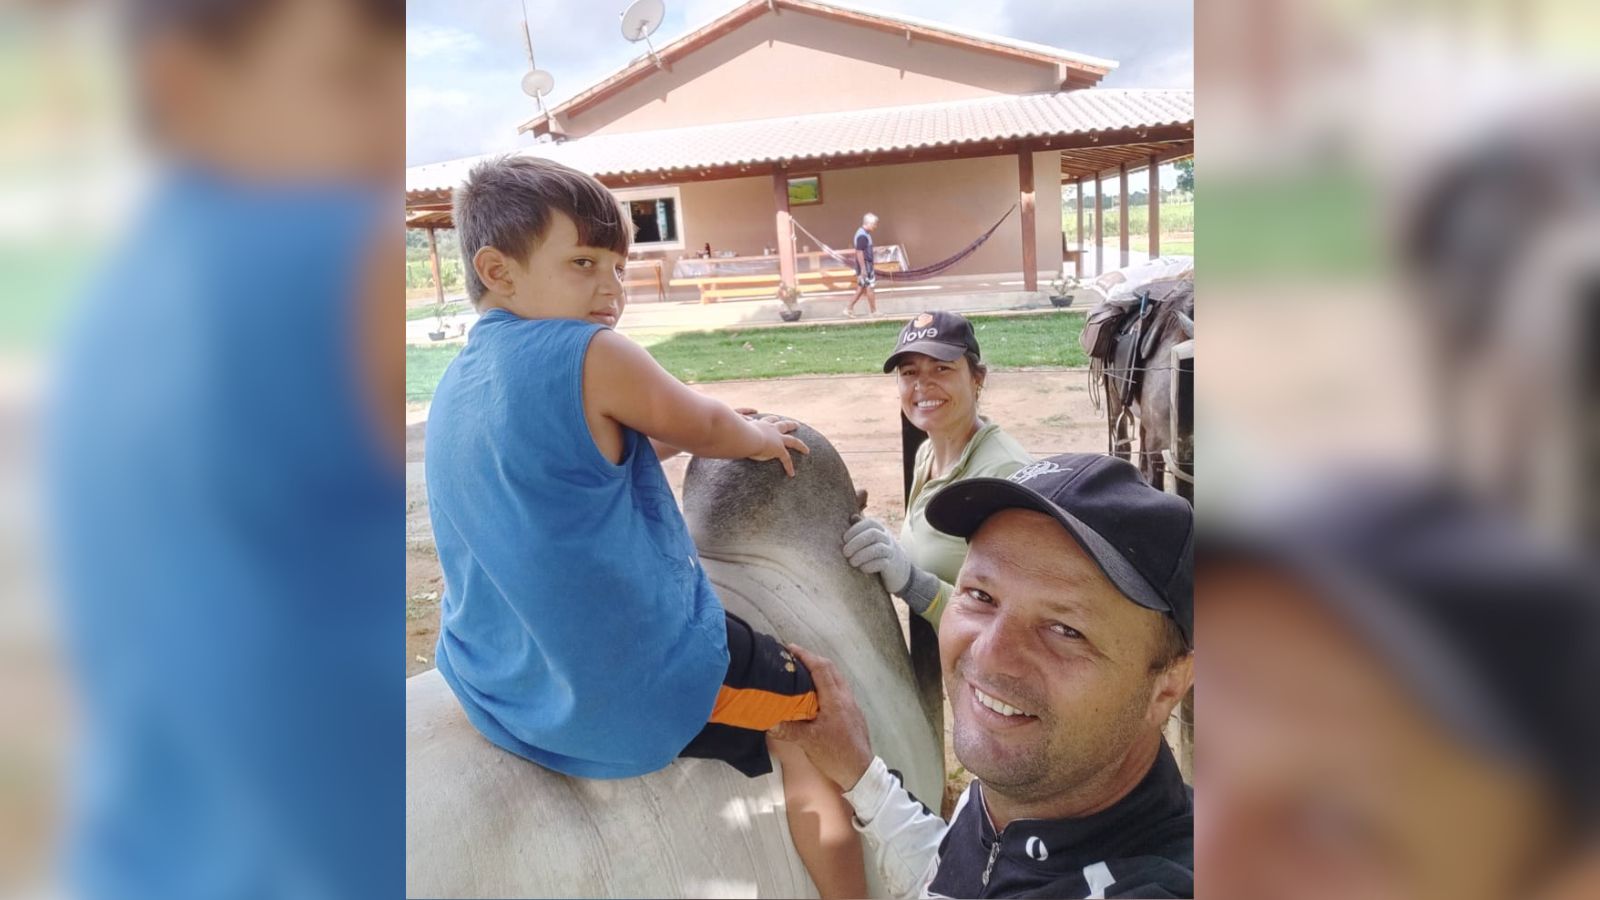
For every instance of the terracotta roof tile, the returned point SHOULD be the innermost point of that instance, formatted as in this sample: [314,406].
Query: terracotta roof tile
[1049,115]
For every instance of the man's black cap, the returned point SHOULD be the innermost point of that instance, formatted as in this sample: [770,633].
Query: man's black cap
[945,336]
[1142,538]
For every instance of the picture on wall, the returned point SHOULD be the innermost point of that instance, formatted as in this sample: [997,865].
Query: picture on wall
[805,189]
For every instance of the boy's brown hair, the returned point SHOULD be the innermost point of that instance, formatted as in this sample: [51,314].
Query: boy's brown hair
[506,203]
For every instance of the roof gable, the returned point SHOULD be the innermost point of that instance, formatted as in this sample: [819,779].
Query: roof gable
[1064,69]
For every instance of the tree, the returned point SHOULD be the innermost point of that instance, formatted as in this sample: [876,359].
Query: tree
[1186,175]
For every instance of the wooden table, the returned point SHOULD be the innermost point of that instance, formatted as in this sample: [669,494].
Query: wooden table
[656,276]
[820,273]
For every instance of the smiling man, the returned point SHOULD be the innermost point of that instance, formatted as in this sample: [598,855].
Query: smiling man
[1065,647]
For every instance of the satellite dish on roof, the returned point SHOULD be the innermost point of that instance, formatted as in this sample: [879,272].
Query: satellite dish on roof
[640,20]
[537,83]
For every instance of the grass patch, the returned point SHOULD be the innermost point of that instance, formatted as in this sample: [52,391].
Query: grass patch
[455,307]
[425,365]
[1008,342]
[1323,224]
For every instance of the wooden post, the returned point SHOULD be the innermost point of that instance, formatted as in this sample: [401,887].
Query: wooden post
[1099,225]
[1079,260]
[780,199]
[1030,237]
[433,259]
[1122,211]
[1155,209]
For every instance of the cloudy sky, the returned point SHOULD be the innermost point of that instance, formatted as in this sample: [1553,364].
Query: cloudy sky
[465,58]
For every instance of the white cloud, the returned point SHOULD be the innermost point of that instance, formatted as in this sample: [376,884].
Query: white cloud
[451,123]
[428,41]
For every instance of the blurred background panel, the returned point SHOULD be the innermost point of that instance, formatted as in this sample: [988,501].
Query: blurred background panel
[1399,395]
[70,168]
[199,471]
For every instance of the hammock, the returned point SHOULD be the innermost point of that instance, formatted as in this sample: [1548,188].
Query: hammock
[927,271]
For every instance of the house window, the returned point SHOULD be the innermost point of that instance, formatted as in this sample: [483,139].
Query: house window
[657,217]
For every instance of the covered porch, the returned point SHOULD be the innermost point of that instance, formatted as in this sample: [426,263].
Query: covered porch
[933,172]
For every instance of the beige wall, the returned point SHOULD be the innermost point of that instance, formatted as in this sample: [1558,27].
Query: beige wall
[936,208]
[933,209]
[793,63]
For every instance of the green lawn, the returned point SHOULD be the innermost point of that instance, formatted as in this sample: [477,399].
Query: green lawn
[424,366]
[413,313]
[1008,342]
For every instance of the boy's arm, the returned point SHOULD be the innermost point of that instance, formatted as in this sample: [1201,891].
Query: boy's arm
[624,383]
[667,451]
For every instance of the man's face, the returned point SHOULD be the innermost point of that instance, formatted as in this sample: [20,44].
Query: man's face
[562,279]
[1035,627]
[1321,777]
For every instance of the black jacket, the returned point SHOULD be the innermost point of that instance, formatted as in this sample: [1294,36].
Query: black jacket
[1141,847]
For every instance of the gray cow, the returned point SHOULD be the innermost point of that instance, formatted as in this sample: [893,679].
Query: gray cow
[482,822]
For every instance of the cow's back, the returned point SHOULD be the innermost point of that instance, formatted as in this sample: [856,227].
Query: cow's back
[481,822]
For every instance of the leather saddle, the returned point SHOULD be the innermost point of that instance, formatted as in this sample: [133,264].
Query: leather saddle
[1132,329]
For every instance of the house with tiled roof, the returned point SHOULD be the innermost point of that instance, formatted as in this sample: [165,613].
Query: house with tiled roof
[772,129]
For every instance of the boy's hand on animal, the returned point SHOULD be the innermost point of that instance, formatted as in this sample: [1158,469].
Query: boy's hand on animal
[777,441]
[837,740]
[750,412]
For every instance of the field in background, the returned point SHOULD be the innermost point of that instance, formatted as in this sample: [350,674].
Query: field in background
[1176,218]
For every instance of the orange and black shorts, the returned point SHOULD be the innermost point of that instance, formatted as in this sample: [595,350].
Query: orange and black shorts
[765,685]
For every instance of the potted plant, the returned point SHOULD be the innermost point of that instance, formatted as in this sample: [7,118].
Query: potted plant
[1059,296]
[438,332]
[789,295]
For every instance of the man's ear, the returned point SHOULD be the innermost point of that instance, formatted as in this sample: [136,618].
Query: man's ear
[1168,690]
[495,270]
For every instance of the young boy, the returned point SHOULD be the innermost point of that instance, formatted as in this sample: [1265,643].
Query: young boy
[578,629]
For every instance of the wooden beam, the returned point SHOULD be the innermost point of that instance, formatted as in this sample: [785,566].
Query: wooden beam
[1099,228]
[1081,198]
[1155,208]
[433,259]
[1181,151]
[780,201]
[1030,237]
[1122,212]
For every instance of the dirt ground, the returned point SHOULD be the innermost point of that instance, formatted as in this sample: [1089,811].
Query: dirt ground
[1047,411]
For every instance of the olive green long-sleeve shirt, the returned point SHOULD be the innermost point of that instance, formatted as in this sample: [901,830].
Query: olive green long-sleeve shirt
[991,453]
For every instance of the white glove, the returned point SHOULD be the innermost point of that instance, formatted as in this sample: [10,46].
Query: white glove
[870,547]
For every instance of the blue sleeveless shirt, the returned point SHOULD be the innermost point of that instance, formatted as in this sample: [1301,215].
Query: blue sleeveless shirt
[224,521]
[577,628]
